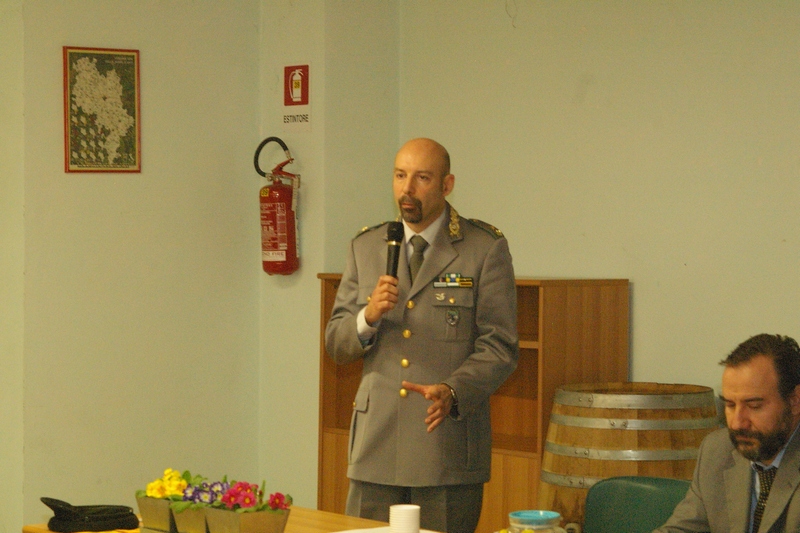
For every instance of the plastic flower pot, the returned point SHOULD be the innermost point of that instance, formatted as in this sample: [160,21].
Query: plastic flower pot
[156,514]
[226,521]
[190,521]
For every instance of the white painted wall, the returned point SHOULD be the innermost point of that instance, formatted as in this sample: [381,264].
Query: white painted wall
[650,141]
[642,140]
[345,166]
[12,264]
[292,33]
[141,303]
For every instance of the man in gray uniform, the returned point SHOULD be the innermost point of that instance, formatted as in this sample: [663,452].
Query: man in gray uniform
[434,350]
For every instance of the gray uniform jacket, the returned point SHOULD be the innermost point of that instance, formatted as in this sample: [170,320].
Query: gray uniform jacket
[718,500]
[463,335]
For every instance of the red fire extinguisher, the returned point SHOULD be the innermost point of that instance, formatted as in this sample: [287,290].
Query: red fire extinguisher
[279,238]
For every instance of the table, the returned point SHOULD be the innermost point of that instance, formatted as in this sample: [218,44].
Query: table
[301,520]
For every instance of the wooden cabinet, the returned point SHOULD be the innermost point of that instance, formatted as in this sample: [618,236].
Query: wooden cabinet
[570,331]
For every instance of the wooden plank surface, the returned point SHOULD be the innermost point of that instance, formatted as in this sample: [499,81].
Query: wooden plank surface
[301,520]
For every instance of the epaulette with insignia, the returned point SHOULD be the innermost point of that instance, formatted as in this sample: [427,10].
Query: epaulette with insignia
[486,227]
[370,228]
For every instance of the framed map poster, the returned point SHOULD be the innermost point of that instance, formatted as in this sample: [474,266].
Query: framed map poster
[102,129]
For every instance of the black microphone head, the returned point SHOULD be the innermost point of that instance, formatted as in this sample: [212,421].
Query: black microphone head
[395,232]
[394,236]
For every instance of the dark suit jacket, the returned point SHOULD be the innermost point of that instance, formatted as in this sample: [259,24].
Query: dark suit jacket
[718,500]
[465,336]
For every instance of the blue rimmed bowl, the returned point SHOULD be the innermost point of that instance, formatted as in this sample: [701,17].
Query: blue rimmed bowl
[522,520]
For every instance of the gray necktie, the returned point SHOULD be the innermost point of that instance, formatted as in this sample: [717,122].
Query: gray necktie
[416,258]
[765,477]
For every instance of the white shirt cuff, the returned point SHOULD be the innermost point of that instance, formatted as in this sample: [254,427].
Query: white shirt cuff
[365,331]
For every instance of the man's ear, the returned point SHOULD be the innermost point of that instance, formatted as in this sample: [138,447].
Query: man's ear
[794,400]
[448,182]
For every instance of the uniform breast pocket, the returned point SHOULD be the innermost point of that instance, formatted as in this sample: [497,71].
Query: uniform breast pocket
[454,311]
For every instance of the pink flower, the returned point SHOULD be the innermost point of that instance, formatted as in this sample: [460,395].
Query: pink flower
[244,495]
[246,499]
[278,501]
[242,487]
[229,499]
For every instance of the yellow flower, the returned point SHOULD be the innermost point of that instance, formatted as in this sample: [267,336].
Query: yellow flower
[171,475]
[156,489]
[175,486]
[169,485]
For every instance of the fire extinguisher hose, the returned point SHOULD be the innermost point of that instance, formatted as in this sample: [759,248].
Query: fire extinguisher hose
[262,145]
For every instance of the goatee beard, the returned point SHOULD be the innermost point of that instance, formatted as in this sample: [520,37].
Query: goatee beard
[411,216]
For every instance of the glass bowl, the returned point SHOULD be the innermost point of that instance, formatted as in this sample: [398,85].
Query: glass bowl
[522,520]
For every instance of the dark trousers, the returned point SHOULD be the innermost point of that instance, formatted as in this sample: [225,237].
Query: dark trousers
[447,508]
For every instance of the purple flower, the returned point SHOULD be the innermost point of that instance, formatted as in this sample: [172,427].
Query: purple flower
[219,488]
[204,496]
[188,493]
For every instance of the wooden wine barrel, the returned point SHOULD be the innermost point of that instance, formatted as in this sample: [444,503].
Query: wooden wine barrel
[603,430]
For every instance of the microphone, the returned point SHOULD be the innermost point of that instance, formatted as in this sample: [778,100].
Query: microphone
[394,238]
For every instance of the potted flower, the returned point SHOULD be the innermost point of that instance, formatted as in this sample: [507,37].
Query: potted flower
[242,509]
[189,513]
[155,499]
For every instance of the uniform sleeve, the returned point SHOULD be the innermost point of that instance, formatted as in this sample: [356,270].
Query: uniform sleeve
[496,348]
[341,332]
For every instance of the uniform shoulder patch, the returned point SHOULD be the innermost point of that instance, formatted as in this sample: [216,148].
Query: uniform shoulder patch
[496,233]
[366,229]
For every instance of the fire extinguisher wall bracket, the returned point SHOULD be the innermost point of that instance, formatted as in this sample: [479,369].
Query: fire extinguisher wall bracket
[278,201]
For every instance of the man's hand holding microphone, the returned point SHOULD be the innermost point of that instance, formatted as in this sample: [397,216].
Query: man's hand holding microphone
[384,297]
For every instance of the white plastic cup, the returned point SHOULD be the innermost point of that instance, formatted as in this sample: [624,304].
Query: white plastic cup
[404,518]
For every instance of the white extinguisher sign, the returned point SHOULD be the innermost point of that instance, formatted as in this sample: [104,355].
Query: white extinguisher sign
[297,85]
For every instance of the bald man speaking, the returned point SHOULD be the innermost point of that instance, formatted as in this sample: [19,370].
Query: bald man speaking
[436,341]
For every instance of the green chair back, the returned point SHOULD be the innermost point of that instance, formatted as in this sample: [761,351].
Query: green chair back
[632,504]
